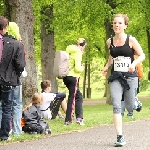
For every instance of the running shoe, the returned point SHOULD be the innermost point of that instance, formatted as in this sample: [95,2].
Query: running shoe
[60,116]
[48,131]
[80,121]
[120,141]
[130,115]
[67,123]
[137,105]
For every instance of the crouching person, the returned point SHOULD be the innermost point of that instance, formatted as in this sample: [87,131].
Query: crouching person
[33,123]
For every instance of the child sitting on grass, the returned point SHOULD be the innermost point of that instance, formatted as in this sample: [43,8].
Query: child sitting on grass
[33,123]
[51,102]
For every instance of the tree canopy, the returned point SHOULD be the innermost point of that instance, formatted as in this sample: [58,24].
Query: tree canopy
[91,20]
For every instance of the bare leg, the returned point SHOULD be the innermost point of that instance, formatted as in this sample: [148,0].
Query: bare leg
[64,105]
[118,123]
[59,112]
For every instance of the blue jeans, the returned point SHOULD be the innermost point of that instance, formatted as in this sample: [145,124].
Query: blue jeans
[6,100]
[15,122]
[17,111]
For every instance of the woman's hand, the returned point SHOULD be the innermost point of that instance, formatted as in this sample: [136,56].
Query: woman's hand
[104,72]
[131,68]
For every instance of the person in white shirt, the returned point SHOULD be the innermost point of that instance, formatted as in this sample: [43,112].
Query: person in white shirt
[52,101]
[45,107]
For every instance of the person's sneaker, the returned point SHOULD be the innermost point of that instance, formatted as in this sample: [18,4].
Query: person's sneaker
[10,132]
[130,115]
[80,121]
[120,141]
[139,107]
[60,116]
[5,140]
[48,131]
[67,123]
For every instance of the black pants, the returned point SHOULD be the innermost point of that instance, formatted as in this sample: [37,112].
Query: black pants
[54,107]
[75,98]
[39,127]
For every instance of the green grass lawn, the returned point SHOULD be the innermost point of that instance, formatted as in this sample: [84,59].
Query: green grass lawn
[96,96]
[144,94]
[100,95]
[94,115]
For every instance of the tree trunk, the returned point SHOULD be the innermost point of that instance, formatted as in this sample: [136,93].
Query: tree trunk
[47,45]
[84,79]
[148,37]
[89,87]
[109,33]
[88,73]
[21,12]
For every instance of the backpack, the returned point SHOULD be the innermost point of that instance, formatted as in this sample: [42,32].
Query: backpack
[61,64]
[139,68]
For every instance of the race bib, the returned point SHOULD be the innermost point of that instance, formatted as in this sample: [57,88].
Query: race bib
[122,63]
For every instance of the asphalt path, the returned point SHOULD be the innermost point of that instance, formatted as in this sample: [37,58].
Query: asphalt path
[97,138]
[137,136]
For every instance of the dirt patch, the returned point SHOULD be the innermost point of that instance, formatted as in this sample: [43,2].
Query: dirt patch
[96,102]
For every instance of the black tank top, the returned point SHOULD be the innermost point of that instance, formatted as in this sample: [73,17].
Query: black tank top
[125,51]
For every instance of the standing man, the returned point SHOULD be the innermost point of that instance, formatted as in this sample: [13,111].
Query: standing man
[75,98]
[13,30]
[12,64]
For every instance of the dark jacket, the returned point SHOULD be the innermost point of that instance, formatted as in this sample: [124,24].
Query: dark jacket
[12,62]
[33,120]
[121,78]
[32,115]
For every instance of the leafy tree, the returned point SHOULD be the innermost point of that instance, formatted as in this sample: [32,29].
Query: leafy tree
[73,19]
[22,14]
[146,22]
[60,23]
[2,7]
[48,48]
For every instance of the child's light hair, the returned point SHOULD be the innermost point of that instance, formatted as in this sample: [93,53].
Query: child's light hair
[124,16]
[37,98]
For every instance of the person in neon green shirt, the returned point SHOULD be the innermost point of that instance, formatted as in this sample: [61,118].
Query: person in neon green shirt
[75,98]
[13,29]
